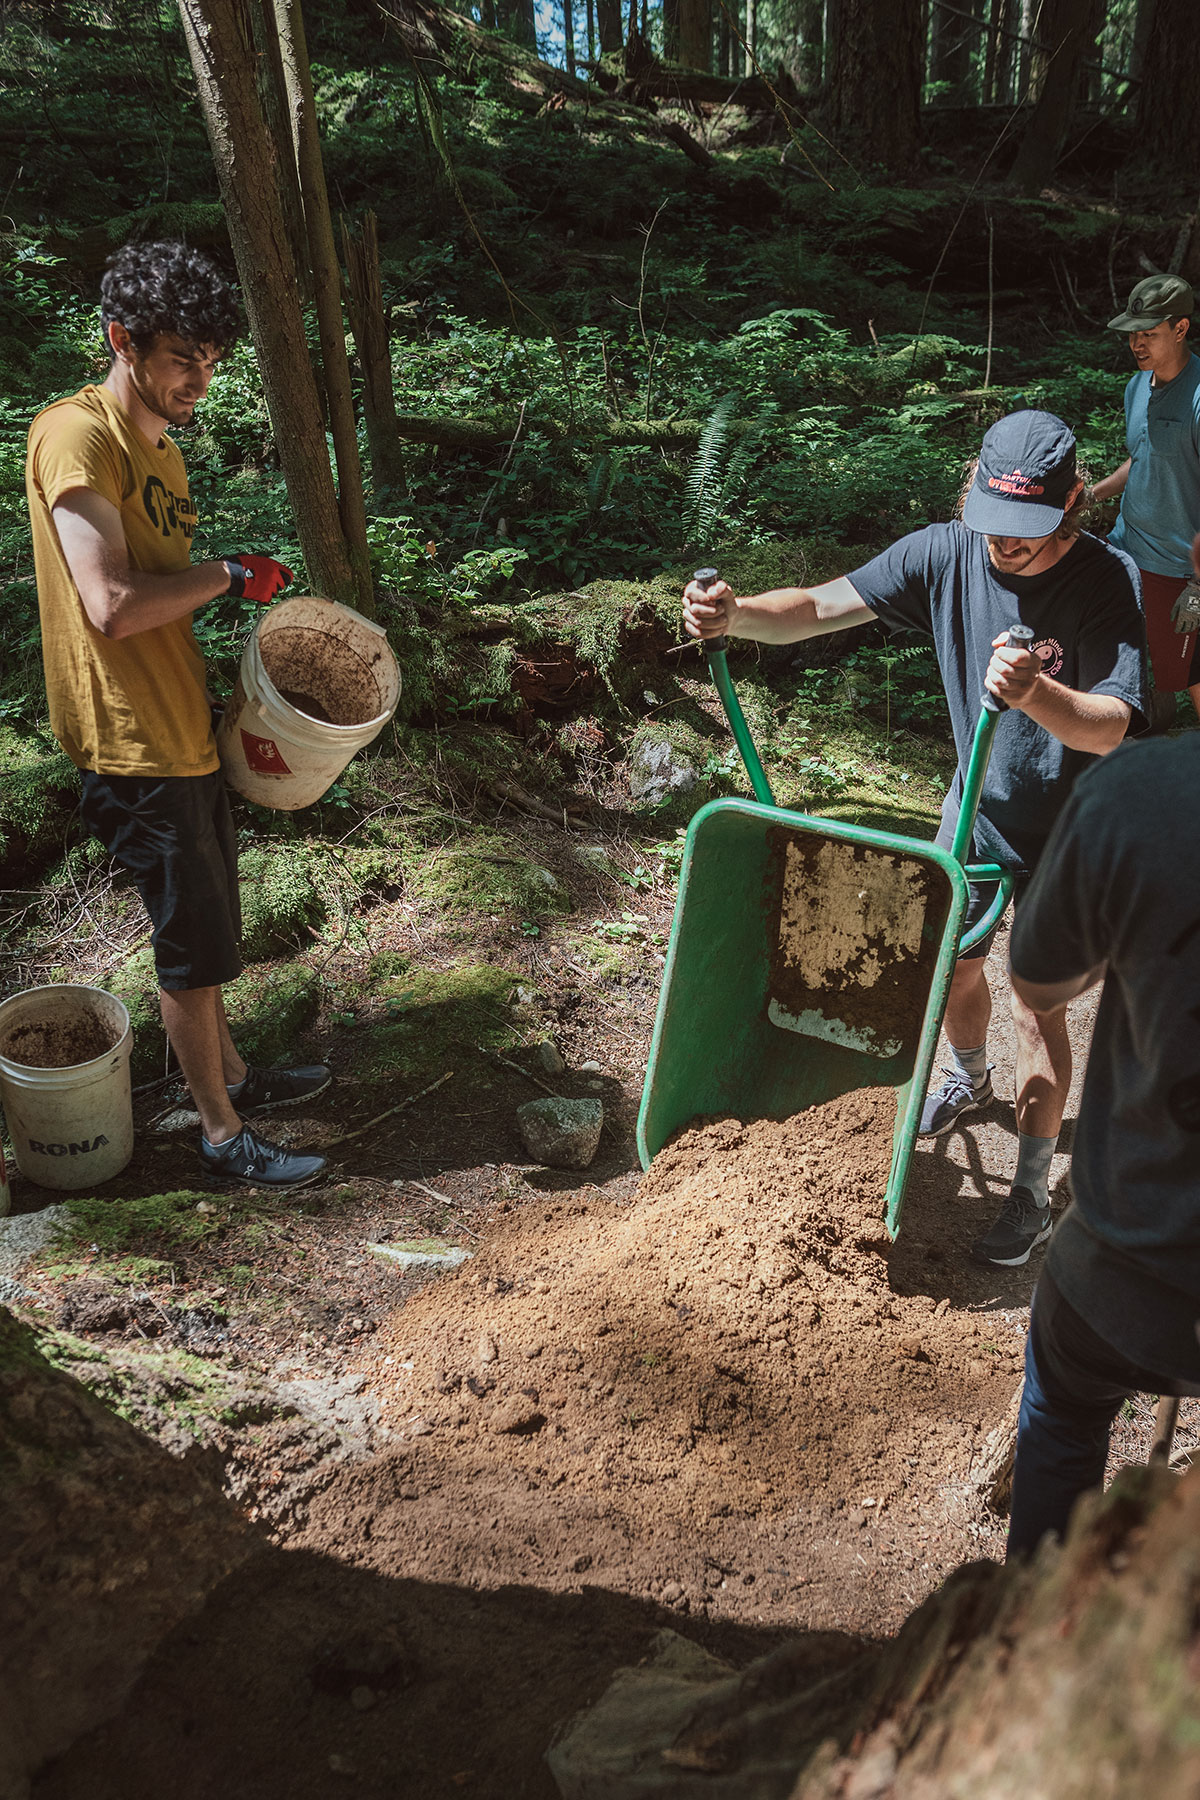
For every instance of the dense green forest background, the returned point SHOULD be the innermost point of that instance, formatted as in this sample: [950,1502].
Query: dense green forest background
[648,312]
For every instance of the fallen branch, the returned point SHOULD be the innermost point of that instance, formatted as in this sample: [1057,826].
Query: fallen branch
[509,1063]
[379,1117]
[514,794]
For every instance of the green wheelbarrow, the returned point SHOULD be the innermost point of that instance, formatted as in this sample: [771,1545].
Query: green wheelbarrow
[807,957]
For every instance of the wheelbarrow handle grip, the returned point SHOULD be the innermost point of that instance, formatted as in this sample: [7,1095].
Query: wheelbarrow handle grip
[706,578]
[1020,637]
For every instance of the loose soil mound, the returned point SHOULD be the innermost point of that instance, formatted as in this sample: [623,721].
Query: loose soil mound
[705,1399]
[710,1395]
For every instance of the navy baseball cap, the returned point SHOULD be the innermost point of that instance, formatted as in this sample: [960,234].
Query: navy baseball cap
[1025,475]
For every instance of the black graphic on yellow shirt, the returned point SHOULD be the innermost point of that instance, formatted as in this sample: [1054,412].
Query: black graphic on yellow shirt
[169,512]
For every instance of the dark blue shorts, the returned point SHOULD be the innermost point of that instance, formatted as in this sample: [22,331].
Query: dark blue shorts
[979,898]
[174,834]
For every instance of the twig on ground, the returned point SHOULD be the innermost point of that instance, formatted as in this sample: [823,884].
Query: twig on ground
[379,1117]
[509,1063]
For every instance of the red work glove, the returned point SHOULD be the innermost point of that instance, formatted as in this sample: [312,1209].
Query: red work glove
[256,577]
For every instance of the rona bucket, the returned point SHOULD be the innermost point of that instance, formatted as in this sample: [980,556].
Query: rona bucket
[64,1082]
[317,683]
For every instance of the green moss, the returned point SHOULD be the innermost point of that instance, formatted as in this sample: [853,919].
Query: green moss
[39,791]
[121,1271]
[135,982]
[604,959]
[268,1009]
[483,874]
[113,1225]
[280,899]
[433,1018]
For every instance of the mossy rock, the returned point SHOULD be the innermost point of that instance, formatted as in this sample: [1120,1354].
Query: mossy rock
[268,1009]
[135,982]
[434,1017]
[484,874]
[280,900]
[39,790]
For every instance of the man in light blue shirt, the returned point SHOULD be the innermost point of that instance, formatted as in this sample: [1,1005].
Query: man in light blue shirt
[1159,482]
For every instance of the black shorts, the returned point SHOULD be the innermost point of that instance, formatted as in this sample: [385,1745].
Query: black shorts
[979,897]
[174,834]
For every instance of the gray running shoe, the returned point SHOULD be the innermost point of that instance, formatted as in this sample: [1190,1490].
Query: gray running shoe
[956,1096]
[1020,1228]
[251,1159]
[266,1090]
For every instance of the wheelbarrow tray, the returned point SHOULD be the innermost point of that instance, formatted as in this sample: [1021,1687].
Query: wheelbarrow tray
[807,958]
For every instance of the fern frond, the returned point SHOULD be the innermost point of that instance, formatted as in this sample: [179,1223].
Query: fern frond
[703,483]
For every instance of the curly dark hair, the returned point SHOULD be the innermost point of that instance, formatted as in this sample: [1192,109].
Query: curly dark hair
[154,289]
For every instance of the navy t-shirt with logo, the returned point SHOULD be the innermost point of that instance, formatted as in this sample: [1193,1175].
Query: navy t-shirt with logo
[1087,624]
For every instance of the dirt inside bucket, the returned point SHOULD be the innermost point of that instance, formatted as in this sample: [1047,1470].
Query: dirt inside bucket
[60,1043]
[321,675]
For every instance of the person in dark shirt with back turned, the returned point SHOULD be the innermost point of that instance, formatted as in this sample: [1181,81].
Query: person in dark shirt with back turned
[1016,554]
[1117,1306]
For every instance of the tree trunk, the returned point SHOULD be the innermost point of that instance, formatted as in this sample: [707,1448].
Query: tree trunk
[327,289]
[220,45]
[723,43]
[516,17]
[591,30]
[369,323]
[1143,26]
[609,19]
[273,98]
[695,34]
[569,35]
[1166,114]
[1062,38]
[875,80]
[670,30]
[998,69]
[810,34]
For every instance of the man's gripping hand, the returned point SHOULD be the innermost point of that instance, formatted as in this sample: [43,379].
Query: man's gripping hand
[1185,614]
[707,613]
[256,577]
[1012,675]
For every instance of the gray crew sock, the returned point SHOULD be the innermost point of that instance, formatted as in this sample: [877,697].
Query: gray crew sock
[224,1143]
[972,1065]
[1033,1165]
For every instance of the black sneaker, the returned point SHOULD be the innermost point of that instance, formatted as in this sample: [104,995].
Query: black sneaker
[1020,1228]
[251,1159]
[266,1090]
[956,1096]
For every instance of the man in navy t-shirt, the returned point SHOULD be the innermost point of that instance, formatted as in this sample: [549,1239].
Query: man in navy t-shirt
[1015,555]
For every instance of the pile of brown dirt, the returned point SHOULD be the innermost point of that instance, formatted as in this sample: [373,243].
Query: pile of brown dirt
[709,1396]
[703,1399]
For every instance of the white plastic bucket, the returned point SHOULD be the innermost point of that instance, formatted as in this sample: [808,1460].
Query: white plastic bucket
[64,1082]
[305,654]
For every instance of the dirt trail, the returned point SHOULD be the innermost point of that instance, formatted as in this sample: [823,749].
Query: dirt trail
[716,1398]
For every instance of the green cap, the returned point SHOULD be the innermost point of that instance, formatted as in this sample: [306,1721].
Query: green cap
[1157,298]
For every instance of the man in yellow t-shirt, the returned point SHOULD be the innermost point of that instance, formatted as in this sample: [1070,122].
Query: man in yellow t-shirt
[112,527]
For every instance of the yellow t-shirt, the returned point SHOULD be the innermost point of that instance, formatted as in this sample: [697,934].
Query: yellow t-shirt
[121,706]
